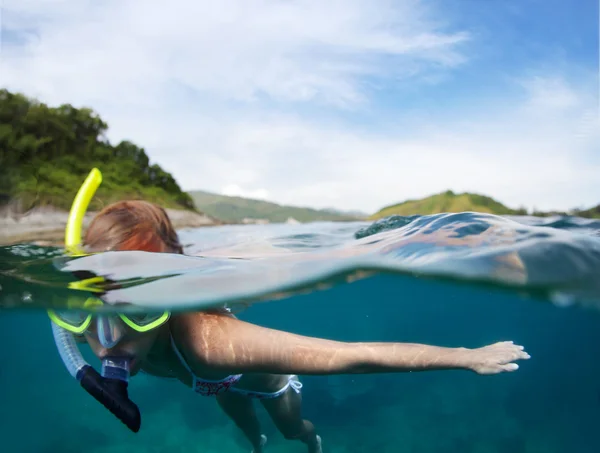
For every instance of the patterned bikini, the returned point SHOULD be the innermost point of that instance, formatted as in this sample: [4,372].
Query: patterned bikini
[206,387]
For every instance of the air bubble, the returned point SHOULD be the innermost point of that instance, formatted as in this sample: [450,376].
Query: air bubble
[561,299]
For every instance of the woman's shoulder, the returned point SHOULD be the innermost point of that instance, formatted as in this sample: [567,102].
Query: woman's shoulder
[205,340]
[202,330]
[203,316]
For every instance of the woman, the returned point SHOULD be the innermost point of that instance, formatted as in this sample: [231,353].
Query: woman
[216,354]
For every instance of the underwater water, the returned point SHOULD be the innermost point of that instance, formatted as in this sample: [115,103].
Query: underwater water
[450,280]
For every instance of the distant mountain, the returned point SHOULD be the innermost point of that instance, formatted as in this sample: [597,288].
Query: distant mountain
[351,213]
[447,202]
[246,210]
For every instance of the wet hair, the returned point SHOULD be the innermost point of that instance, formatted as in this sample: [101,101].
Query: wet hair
[132,225]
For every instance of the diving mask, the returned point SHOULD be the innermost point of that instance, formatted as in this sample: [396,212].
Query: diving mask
[109,327]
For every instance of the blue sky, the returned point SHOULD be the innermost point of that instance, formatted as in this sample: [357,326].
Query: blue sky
[354,104]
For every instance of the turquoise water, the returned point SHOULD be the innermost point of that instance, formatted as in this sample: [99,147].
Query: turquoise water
[450,280]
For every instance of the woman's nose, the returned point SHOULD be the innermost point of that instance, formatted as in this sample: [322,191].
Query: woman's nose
[110,330]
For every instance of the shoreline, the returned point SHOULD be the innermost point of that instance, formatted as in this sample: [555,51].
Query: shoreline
[45,226]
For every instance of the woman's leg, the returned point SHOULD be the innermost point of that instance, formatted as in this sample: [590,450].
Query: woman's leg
[241,410]
[286,413]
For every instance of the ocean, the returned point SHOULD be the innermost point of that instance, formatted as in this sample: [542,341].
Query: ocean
[464,279]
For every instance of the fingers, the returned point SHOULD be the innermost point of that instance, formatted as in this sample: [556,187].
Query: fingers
[512,356]
[518,350]
[509,344]
[510,367]
[520,353]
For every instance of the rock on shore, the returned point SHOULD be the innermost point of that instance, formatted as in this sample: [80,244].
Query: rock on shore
[46,225]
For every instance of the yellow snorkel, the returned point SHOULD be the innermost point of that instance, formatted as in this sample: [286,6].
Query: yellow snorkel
[110,387]
[75,225]
[78,209]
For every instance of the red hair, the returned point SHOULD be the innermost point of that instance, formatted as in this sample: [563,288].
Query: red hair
[132,225]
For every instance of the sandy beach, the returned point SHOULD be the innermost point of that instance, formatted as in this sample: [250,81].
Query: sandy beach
[46,225]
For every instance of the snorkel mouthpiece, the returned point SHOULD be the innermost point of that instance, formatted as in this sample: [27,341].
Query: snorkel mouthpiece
[110,387]
[116,368]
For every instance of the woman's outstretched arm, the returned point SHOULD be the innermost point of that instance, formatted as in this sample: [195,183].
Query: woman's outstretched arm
[235,346]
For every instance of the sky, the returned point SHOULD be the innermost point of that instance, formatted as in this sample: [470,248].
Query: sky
[350,104]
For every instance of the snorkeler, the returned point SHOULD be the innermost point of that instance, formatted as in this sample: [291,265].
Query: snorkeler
[216,354]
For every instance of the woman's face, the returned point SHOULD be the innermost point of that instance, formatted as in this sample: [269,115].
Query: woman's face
[127,342]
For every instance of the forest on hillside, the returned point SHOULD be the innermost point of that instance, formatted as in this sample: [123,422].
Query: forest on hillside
[46,153]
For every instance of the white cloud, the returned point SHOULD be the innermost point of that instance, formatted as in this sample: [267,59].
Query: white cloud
[551,93]
[241,97]
[234,49]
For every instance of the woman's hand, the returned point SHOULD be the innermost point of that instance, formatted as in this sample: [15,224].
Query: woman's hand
[496,358]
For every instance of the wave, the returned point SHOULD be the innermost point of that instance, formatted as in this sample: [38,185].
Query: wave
[556,259]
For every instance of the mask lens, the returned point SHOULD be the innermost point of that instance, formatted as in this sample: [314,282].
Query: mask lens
[72,318]
[144,319]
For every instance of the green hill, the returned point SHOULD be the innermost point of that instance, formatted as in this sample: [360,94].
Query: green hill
[592,213]
[46,153]
[236,209]
[447,202]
